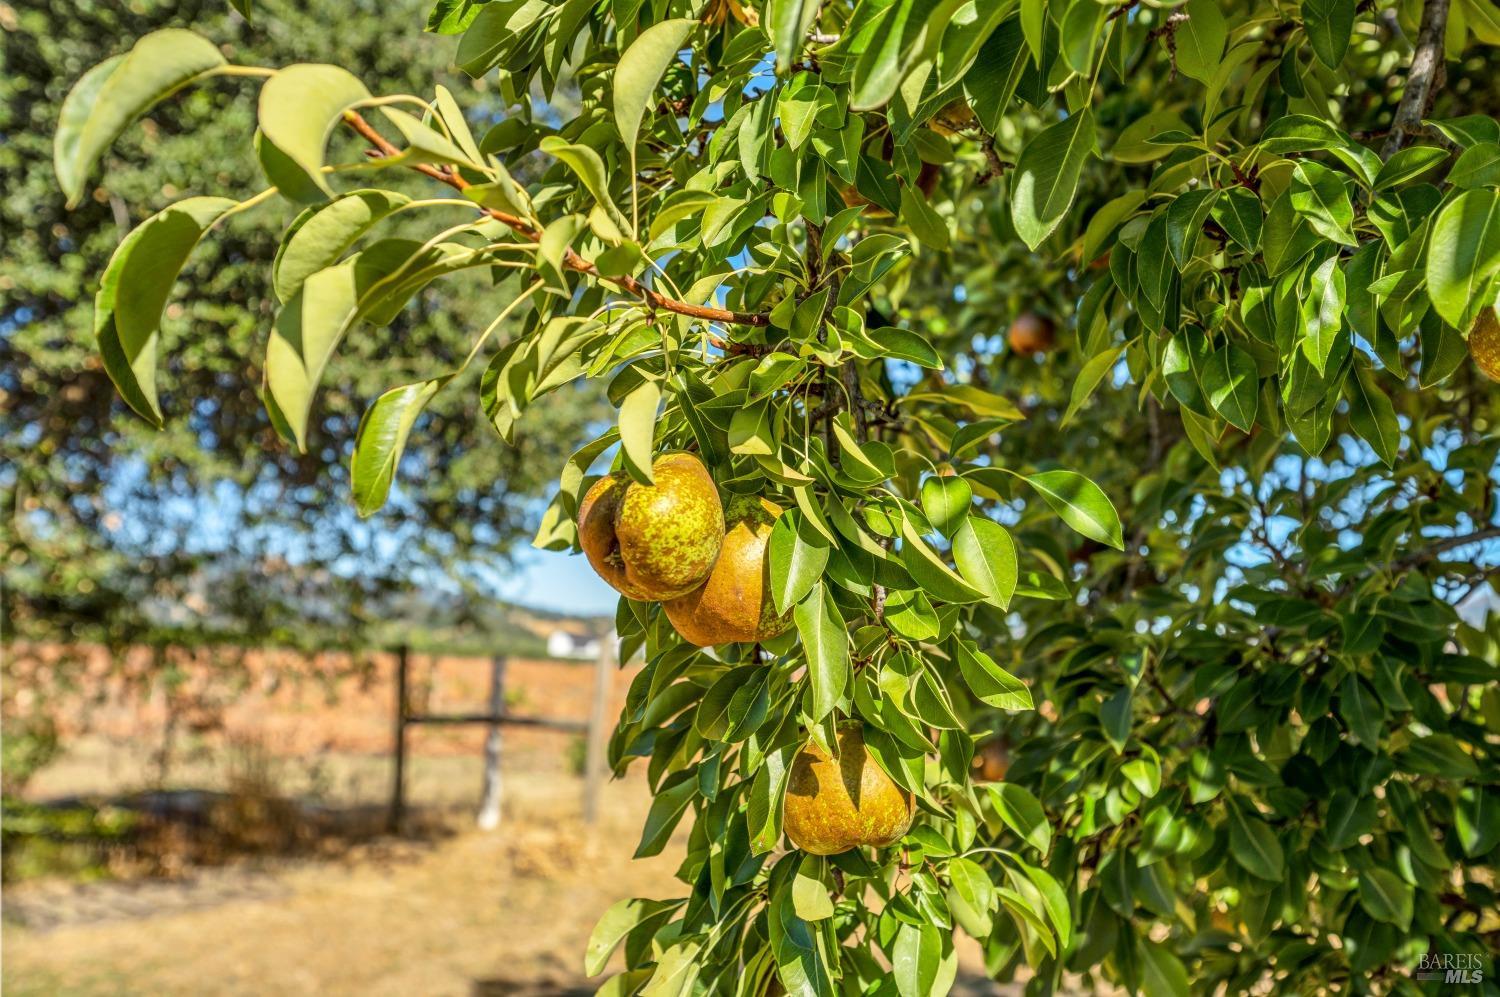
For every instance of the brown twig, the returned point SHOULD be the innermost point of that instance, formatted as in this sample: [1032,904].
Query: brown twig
[571,260]
[1423,79]
[1430,552]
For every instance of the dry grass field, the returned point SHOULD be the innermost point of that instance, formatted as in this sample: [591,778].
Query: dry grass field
[442,909]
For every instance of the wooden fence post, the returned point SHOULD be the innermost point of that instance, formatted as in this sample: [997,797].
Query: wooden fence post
[489,807]
[398,779]
[598,735]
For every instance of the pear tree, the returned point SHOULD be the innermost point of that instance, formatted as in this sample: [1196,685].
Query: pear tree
[1054,466]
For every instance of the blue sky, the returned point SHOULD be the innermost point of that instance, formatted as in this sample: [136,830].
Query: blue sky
[561,582]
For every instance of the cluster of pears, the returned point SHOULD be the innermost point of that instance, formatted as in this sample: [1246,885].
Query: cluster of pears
[674,542]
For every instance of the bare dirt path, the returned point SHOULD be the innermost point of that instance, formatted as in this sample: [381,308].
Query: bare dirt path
[478,913]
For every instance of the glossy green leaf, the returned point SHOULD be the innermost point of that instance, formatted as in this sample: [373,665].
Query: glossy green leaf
[134,290]
[620,920]
[301,105]
[1200,39]
[1385,897]
[986,558]
[640,69]
[321,235]
[825,640]
[1231,381]
[381,439]
[1329,25]
[1046,176]
[1253,845]
[1463,254]
[990,683]
[945,502]
[111,95]
[1081,504]
[638,428]
[1022,813]
[585,162]
[797,561]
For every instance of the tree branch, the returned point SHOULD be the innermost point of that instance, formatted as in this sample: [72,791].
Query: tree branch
[1446,544]
[571,260]
[1423,79]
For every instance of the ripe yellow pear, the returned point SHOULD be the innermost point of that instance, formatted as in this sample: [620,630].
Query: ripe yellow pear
[734,605]
[1484,343]
[835,804]
[1031,334]
[655,541]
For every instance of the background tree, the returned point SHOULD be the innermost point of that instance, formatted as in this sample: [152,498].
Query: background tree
[793,238]
[104,513]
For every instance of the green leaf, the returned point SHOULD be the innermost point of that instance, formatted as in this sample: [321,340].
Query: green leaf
[973,897]
[990,683]
[1329,25]
[585,162]
[946,501]
[930,572]
[1372,415]
[638,428]
[1253,845]
[1477,820]
[825,641]
[986,558]
[1323,314]
[1114,718]
[1232,382]
[381,438]
[797,561]
[1238,212]
[1408,164]
[1349,817]
[1022,813]
[1320,195]
[916,960]
[1301,133]
[789,23]
[1200,39]
[134,290]
[1477,166]
[1162,973]
[1144,773]
[640,69]
[1090,375]
[373,285]
[619,921]
[903,344]
[425,144]
[301,105]
[925,223]
[111,95]
[291,181]
[810,897]
[1046,177]
[1463,254]
[1081,504]
[1385,897]
[322,234]
[763,811]
[667,808]
[1185,217]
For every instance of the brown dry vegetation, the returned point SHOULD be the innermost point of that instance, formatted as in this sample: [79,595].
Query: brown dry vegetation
[445,910]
